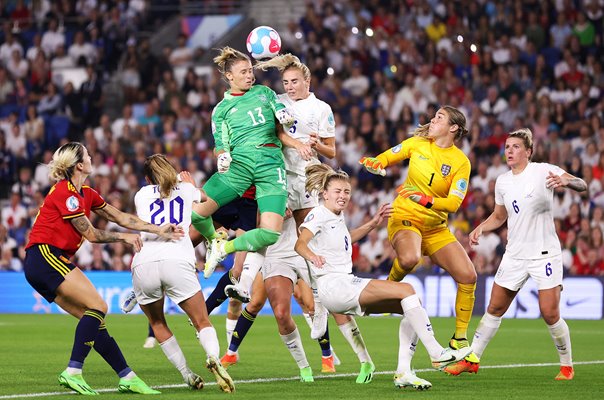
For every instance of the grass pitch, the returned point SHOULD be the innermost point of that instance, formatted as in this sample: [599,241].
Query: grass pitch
[520,362]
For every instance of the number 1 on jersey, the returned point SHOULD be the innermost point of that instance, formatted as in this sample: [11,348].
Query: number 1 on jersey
[431,179]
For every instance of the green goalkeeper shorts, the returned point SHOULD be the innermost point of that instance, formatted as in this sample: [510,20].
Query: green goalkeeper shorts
[260,166]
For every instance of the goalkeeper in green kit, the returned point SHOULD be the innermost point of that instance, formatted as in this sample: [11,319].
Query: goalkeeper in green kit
[248,153]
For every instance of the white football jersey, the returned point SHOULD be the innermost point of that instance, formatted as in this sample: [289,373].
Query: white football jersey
[331,240]
[284,248]
[175,209]
[529,204]
[311,115]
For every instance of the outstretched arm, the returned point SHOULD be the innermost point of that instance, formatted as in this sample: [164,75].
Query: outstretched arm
[359,233]
[565,180]
[168,231]
[94,235]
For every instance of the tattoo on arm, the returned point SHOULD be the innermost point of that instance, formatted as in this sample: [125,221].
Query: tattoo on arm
[83,225]
[124,219]
[577,184]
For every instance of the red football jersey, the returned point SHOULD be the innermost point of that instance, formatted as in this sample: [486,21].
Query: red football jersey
[53,222]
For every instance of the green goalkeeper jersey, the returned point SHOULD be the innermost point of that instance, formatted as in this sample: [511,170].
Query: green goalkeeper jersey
[240,121]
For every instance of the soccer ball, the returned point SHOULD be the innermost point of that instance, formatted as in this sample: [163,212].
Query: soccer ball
[263,42]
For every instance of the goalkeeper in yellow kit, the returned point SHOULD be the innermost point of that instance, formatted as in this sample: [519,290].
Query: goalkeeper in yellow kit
[436,185]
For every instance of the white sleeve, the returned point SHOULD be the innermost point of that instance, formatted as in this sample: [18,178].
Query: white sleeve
[194,192]
[498,194]
[313,221]
[137,202]
[554,169]
[327,123]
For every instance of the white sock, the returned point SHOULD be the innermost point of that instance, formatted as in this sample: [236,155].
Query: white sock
[485,331]
[251,266]
[175,355]
[561,335]
[209,341]
[407,344]
[129,375]
[418,318]
[230,327]
[74,371]
[351,332]
[293,342]
[308,319]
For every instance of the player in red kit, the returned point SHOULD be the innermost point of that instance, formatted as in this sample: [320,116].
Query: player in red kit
[60,227]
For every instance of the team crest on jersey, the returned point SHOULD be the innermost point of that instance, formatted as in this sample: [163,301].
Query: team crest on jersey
[445,169]
[397,148]
[72,203]
[262,98]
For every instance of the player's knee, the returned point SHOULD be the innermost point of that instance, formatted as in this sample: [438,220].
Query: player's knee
[496,310]
[99,305]
[282,315]
[267,237]
[254,306]
[468,276]
[408,261]
[406,289]
[550,316]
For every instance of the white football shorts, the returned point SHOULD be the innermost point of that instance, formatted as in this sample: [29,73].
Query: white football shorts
[340,293]
[293,268]
[298,198]
[177,278]
[513,273]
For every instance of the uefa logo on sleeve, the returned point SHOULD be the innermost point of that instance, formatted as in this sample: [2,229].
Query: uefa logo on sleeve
[72,203]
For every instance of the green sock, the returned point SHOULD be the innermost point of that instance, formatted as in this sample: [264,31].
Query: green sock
[254,240]
[204,225]
[229,247]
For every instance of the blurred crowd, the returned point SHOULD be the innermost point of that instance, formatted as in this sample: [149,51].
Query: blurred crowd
[383,66]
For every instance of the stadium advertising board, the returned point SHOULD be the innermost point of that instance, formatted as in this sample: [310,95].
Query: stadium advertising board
[582,297]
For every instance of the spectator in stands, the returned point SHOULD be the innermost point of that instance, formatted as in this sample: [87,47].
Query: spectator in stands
[92,96]
[52,38]
[25,186]
[36,47]
[6,86]
[8,47]
[181,55]
[81,52]
[117,127]
[9,260]
[14,217]
[17,66]
[481,179]
[61,59]
[51,102]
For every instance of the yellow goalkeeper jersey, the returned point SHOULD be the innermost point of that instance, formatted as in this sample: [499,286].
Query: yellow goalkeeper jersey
[442,173]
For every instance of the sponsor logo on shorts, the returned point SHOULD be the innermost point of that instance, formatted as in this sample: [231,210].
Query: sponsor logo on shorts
[72,203]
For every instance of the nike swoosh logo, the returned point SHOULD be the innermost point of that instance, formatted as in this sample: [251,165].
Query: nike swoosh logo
[449,360]
[570,303]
